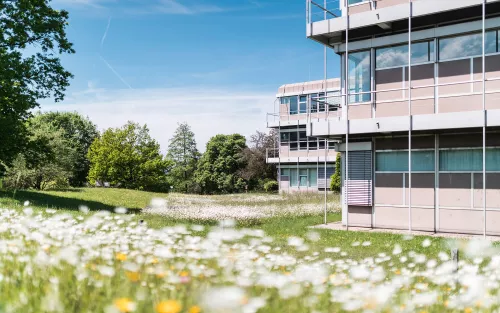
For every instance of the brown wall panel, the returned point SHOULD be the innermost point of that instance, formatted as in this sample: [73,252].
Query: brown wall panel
[354,9]
[387,3]
[389,109]
[360,111]
[460,221]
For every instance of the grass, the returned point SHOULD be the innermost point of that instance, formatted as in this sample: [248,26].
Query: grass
[110,263]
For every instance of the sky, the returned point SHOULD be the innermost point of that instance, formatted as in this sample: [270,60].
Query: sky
[215,64]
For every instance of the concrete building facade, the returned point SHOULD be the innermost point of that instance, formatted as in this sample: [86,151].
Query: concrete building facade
[419,111]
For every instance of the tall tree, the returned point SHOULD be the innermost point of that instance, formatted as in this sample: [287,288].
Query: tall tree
[219,167]
[128,157]
[32,37]
[47,160]
[257,171]
[79,132]
[183,155]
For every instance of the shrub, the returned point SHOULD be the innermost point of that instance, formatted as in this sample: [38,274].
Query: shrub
[271,186]
[336,179]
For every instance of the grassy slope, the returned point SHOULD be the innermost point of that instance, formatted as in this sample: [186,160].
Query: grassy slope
[279,228]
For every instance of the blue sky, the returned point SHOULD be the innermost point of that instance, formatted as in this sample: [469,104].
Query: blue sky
[216,64]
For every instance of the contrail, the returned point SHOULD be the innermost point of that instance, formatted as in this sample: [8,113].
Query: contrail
[105,32]
[115,72]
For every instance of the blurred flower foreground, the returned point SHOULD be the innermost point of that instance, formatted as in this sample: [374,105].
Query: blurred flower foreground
[104,262]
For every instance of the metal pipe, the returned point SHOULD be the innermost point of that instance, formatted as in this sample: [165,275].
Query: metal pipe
[484,117]
[326,147]
[409,113]
[346,77]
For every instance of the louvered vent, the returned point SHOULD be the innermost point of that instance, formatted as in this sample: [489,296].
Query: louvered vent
[360,178]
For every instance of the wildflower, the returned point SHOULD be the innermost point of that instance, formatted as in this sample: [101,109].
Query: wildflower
[426,243]
[133,276]
[169,306]
[124,305]
[120,210]
[194,309]
[121,256]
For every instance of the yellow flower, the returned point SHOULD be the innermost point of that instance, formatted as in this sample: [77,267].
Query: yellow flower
[160,275]
[468,310]
[154,261]
[169,306]
[194,309]
[121,256]
[124,305]
[397,272]
[183,274]
[133,276]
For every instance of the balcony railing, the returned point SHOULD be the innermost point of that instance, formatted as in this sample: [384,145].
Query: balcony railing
[319,10]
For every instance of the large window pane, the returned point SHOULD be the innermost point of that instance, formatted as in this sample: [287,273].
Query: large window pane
[461,160]
[294,105]
[397,161]
[285,172]
[466,46]
[356,1]
[294,180]
[313,177]
[493,159]
[285,137]
[303,104]
[359,76]
[421,52]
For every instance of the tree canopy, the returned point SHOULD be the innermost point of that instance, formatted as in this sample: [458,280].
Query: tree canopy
[79,132]
[219,167]
[28,75]
[183,156]
[128,157]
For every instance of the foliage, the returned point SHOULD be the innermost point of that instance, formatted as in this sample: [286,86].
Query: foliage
[47,161]
[128,157]
[79,132]
[257,170]
[271,186]
[183,156]
[32,37]
[219,167]
[336,180]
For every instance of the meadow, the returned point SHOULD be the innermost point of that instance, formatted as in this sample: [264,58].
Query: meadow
[113,250]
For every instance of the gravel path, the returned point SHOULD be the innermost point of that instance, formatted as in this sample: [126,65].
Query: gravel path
[339,226]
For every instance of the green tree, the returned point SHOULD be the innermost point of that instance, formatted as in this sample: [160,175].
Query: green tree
[257,171]
[47,160]
[336,179]
[219,167]
[183,156]
[80,132]
[128,157]
[32,37]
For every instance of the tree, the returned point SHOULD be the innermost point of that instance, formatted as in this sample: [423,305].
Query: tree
[219,167]
[26,76]
[183,156]
[47,160]
[336,179]
[257,172]
[128,157]
[80,132]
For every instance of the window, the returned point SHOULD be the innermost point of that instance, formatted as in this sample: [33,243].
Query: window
[313,144]
[321,102]
[303,104]
[313,177]
[314,102]
[467,46]
[303,177]
[359,76]
[397,161]
[356,1]
[293,178]
[285,137]
[285,174]
[469,160]
[294,106]
[421,52]
[333,102]
[321,145]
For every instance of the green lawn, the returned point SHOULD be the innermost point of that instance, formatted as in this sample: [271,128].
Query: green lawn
[110,263]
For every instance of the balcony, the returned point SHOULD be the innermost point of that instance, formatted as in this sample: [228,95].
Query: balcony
[286,155]
[327,23]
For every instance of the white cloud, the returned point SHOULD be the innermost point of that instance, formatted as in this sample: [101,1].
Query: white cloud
[207,111]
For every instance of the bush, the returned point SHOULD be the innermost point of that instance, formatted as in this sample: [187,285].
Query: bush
[336,179]
[271,186]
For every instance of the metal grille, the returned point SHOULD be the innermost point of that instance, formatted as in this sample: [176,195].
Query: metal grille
[360,178]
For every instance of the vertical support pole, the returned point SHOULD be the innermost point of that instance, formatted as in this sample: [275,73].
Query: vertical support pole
[346,77]
[324,100]
[410,117]
[484,119]
[279,156]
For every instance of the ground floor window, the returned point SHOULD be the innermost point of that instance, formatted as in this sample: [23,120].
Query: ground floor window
[397,161]
[303,177]
[468,160]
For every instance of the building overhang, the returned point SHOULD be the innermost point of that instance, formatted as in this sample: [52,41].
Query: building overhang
[332,31]
[424,122]
[295,160]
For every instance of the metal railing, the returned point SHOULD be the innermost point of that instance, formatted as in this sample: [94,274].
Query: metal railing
[319,10]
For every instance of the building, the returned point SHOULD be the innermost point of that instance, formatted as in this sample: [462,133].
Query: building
[420,133]
[303,162]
